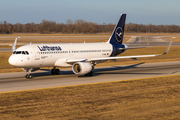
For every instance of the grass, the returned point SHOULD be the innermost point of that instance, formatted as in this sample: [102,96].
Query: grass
[99,37]
[173,55]
[148,98]
[8,46]
[69,38]
[53,34]
[57,39]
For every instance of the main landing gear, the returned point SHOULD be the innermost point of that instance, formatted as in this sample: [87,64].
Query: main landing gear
[55,71]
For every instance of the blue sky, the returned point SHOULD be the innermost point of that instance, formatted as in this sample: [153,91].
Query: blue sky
[166,12]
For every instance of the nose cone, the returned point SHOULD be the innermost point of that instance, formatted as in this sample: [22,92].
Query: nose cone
[17,61]
[12,60]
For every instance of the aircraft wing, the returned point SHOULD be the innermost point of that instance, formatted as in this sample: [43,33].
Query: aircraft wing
[121,57]
[114,58]
[73,60]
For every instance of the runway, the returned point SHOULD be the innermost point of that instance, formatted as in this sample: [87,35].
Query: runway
[149,41]
[44,79]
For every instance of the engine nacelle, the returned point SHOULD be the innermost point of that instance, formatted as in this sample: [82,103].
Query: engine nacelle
[81,68]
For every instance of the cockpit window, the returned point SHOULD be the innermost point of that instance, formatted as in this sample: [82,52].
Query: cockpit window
[18,52]
[27,52]
[21,52]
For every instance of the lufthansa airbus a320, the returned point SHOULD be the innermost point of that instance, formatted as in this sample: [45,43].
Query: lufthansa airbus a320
[81,56]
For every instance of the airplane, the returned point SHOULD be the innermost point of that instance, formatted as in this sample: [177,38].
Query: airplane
[82,57]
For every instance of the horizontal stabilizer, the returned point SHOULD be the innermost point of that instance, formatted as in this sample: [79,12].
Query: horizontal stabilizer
[133,47]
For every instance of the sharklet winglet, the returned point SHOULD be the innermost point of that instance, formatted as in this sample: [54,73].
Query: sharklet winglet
[14,45]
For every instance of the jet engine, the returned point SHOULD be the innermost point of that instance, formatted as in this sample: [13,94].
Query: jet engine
[82,68]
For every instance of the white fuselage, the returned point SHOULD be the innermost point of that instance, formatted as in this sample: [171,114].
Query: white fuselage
[55,55]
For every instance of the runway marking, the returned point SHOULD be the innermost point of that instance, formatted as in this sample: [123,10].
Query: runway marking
[129,39]
[163,40]
[146,40]
[88,84]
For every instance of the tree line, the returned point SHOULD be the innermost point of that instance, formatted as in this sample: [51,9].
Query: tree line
[81,26]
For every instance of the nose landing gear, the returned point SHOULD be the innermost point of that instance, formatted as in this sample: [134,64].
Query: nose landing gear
[29,76]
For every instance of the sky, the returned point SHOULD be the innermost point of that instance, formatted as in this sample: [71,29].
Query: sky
[156,12]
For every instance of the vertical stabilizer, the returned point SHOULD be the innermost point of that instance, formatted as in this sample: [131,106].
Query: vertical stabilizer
[117,35]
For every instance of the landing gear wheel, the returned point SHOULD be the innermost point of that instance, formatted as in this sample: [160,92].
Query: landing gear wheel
[29,76]
[53,72]
[89,74]
[57,71]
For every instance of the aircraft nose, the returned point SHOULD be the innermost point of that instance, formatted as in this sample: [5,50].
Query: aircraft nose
[12,61]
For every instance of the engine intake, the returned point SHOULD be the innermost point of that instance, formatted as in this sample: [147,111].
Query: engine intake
[81,68]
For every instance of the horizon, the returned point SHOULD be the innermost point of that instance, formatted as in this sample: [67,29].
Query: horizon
[1,22]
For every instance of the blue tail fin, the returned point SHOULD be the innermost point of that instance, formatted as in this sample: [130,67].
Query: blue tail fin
[117,35]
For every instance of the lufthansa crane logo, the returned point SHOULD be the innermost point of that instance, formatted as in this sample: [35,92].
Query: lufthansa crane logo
[119,34]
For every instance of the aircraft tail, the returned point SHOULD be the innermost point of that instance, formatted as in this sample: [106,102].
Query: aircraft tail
[117,35]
